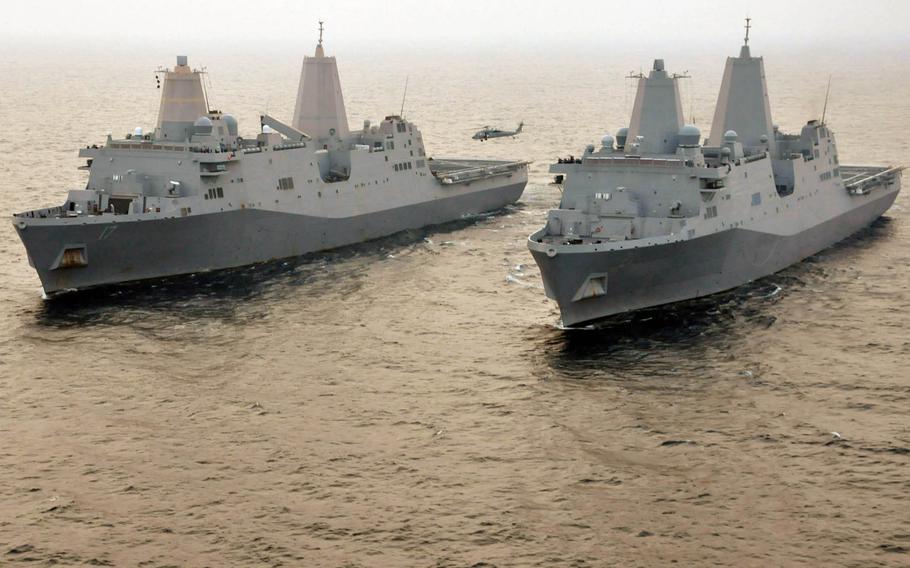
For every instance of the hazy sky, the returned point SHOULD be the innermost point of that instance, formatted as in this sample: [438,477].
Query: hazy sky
[453,25]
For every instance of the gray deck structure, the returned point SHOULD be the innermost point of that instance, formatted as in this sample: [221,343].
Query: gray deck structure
[654,217]
[195,196]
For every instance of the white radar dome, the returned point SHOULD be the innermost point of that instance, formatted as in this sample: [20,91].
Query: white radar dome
[730,136]
[231,123]
[621,136]
[607,141]
[203,125]
[689,135]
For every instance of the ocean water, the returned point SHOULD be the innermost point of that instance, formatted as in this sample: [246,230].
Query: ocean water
[412,401]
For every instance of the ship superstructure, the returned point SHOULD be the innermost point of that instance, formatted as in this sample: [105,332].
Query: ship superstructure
[652,216]
[194,195]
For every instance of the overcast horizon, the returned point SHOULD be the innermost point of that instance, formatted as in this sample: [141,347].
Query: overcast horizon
[468,25]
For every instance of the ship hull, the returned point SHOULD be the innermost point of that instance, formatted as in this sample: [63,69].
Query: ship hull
[118,250]
[645,277]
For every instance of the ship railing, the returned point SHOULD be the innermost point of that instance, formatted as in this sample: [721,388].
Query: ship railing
[47,212]
[448,174]
[864,180]
[211,153]
[755,157]
[289,146]
[632,161]
[147,146]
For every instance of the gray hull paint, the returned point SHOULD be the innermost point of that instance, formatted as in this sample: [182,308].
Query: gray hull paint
[138,250]
[657,275]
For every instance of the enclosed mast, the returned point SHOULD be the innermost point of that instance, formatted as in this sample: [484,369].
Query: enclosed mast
[320,105]
[742,105]
[183,100]
[657,115]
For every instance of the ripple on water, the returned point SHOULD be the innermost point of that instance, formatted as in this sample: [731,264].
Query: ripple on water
[412,401]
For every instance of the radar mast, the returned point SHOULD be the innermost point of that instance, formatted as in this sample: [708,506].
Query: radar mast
[320,111]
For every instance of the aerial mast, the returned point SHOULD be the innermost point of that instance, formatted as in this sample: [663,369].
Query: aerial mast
[319,110]
[403,97]
[827,92]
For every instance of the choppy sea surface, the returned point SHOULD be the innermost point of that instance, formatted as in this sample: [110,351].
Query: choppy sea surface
[412,401]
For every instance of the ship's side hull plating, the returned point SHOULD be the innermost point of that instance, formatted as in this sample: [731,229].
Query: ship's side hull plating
[637,278]
[140,249]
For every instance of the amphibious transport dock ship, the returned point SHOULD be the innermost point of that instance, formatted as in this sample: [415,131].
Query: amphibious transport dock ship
[653,217]
[193,195]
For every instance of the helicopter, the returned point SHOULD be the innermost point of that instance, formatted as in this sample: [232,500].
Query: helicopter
[487,132]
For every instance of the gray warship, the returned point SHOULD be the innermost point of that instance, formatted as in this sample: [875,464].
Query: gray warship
[193,195]
[653,217]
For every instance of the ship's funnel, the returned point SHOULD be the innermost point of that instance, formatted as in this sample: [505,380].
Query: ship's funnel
[742,104]
[657,115]
[320,106]
[183,100]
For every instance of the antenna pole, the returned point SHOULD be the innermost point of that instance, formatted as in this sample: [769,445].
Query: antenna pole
[205,91]
[748,27]
[403,97]
[827,92]
[320,32]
